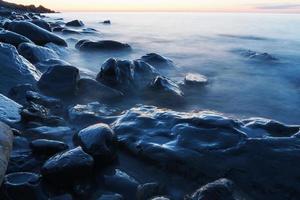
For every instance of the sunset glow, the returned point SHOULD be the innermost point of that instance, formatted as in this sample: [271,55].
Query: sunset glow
[170,5]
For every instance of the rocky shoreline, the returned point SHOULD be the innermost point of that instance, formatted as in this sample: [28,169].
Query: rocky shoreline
[72,140]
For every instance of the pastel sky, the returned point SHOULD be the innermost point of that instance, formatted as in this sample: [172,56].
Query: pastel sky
[169,5]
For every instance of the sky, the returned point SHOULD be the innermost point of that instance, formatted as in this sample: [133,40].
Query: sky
[278,6]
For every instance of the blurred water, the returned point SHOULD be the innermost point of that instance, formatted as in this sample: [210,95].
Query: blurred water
[205,43]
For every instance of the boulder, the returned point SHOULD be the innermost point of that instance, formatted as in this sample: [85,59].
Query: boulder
[256,56]
[9,110]
[149,190]
[49,102]
[18,93]
[75,23]
[23,185]
[12,38]
[36,34]
[99,141]
[47,147]
[6,142]
[91,90]
[59,81]
[106,22]
[103,45]
[194,79]
[158,61]
[68,166]
[35,53]
[44,65]
[221,189]
[70,32]
[50,133]
[42,24]
[15,69]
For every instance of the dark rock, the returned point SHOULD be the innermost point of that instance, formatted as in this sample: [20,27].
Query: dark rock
[58,29]
[106,22]
[62,197]
[36,34]
[91,90]
[158,61]
[6,143]
[50,133]
[256,56]
[160,198]
[12,38]
[23,185]
[42,24]
[80,42]
[75,23]
[111,197]
[9,110]
[195,80]
[59,81]
[149,190]
[68,166]
[221,189]
[103,45]
[47,147]
[18,93]
[70,31]
[35,53]
[48,102]
[44,65]
[15,69]
[99,141]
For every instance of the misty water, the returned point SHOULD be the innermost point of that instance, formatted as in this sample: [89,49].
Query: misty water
[209,44]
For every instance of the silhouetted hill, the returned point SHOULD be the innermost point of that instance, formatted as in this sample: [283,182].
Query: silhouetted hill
[4,5]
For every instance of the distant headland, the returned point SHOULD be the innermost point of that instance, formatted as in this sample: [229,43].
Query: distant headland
[7,6]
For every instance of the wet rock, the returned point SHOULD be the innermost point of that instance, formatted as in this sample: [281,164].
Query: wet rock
[106,22]
[91,113]
[9,110]
[160,198]
[62,197]
[70,31]
[103,45]
[111,197]
[75,23]
[143,73]
[195,80]
[59,81]
[91,90]
[15,69]
[18,93]
[165,91]
[256,56]
[36,34]
[50,133]
[42,24]
[47,147]
[68,166]
[23,185]
[122,184]
[6,142]
[48,102]
[12,38]
[99,141]
[58,29]
[35,53]
[44,65]
[80,42]
[149,190]
[221,189]
[158,61]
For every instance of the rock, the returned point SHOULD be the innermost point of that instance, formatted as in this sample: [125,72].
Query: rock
[68,166]
[47,147]
[149,190]
[9,110]
[165,91]
[50,133]
[160,198]
[256,56]
[62,197]
[195,80]
[99,141]
[35,53]
[6,142]
[15,69]
[23,185]
[111,197]
[158,61]
[80,42]
[221,189]
[106,22]
[12,38]
[59,81]
[91,90]
[18,93]
[48,102]
[42,24]
[121,183]
[58,29]
[103,45]
[44,65]
[125,75]
[36,34]
[70,31]
[92,113]
[75,23]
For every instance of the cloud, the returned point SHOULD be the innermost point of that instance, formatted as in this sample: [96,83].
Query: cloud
[278,6]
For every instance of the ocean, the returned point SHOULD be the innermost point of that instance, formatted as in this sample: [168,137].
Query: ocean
[216,45]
